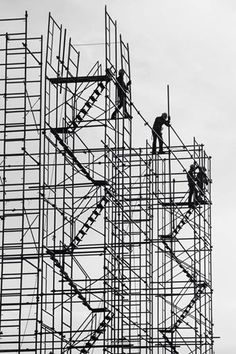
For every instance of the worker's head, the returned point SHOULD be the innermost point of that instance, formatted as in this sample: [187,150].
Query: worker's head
[121,72]
[164,115]
[192,166]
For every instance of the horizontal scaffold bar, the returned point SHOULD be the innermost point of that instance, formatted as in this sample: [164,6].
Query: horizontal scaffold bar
[67,80]
[181,204]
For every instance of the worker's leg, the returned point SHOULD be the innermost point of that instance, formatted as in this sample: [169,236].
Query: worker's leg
[113,116]
[160,143]
[154,143]
[198,192]
[200,195]
[124,104]
[190,195]
[194,195]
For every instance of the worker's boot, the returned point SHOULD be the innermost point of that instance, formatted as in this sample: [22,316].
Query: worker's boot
[113,116]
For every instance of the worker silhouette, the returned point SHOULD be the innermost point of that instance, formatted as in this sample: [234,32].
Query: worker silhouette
[122,89]
[191,176]
[202,182]
[157,132]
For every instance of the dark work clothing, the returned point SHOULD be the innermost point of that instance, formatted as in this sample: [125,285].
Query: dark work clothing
[201,182]
[192,186]
[157,133]
[191,176]
[201,179]
[158,123]
[192,195]
[122,88]
[154,144]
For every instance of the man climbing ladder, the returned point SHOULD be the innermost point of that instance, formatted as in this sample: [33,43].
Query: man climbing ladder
[122,90]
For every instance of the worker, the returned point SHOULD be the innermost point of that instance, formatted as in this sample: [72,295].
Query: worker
[157,132]
[192,185]
[122,90]
[202,181]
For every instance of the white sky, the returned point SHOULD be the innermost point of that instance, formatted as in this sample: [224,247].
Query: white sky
[190,45]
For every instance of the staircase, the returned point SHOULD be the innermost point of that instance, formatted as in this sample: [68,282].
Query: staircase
[83,111]
[96,334]
[200,287]
[72,157]
[173,350]
[180,263]
[69,248]
[88,104]
[88,224]
[174,233]
[182,222]
[65,275]
[188,308]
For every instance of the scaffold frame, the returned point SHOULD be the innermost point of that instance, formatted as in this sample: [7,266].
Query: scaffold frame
[101,251]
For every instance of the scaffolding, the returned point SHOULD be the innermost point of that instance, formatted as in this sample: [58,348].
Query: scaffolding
[100,250]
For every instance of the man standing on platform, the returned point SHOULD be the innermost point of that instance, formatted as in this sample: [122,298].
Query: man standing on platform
[202,181]
[192,185]
[157,132]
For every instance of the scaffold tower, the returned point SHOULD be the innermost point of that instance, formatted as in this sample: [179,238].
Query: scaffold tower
[101,251]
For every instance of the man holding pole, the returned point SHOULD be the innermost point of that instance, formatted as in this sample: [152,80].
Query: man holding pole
[164,119]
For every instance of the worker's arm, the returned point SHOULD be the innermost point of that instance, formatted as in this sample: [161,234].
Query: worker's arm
[167,122]
[128,85]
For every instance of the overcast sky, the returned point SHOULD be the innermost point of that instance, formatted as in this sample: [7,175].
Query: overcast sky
[190,45]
